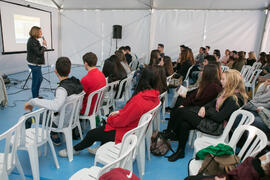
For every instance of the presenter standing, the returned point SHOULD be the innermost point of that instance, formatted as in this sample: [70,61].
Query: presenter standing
[35,58]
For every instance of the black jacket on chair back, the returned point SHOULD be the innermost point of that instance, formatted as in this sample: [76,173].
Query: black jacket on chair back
[35,52]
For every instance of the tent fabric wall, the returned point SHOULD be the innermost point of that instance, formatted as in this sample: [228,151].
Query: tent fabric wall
[266,38]
[91,30]
[13,63]
[239,30]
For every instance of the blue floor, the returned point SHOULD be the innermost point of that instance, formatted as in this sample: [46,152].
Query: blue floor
[157,168]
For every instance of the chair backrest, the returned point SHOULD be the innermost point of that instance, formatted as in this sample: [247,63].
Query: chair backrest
[139,131]
[41,126]
[154,111]
[253,77]
[247,118]
[245,70]
[224,68]
[8,162]
[110,91]
[125,85]
[186,80]
[70,110]
[78,107]
[99,99]
[254,143]
[126,159]
[256,65]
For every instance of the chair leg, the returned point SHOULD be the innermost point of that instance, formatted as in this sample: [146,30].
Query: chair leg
[68,136]
[140,158]
[53,153]
[33,156]
[148,139]
[92,120]
[80,130]
[19,167]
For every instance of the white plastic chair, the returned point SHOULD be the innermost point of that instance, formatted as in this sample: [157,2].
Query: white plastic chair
[186,80]
[250,82]
[256,65]
[110,151]
[224,68]
[73,105]
[108,99]
[206,140]
[254,143]
[125,86]
[156,122]
[8,158]
[245,71]
[36,136]
[169,78]
[125,160]
[99,94]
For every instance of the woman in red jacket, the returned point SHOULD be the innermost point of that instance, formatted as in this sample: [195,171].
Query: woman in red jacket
[145,98]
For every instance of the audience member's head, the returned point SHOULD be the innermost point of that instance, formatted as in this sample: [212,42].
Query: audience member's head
[168,65]
[241,55]
[182,47]
[160,48]
[190,56]
[148,80]
[216,53]
[162,83]
[89,60]
[208,59]
[119,70]
[232,83]
[251,55]
[121,56]
[235,54]
[128,49]
[262,58]
[154,58]
[35,32]
[227,52]
[123,49]
[202,50]
[183,56]
[207,49]
[62,66]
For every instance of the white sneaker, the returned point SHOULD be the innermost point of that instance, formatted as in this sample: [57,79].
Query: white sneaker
[63,153]
[93,150]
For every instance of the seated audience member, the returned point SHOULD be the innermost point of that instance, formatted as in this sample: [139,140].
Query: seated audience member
[200,57]
[208,89]
[128,55]
[123,61]
[266,66]
[230,62]
[262,58]
[211,117]
[93,81]
[216,53]
[67,87]
[113,69]
[160,48]
[145,98]
[225,58]
[186,61]
[252,168]
[168,66]
[240,62]
[251,58]
[162,80]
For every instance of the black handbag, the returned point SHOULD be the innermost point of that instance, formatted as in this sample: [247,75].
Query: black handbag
[211,127]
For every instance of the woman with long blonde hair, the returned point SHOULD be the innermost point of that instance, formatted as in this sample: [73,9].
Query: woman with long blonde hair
[211,117]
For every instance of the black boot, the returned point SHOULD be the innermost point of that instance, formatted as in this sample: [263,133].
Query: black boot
[169,134]
[179,154]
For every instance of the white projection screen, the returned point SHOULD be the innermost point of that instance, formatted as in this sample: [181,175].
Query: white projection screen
[16,22]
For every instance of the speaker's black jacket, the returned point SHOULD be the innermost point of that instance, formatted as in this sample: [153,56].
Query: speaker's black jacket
[35,52]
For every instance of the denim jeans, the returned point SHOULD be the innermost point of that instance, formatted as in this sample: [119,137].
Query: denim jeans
[36,79]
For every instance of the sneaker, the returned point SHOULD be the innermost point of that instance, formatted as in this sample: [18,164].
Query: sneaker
[93,150]
[63,153]
[56,140]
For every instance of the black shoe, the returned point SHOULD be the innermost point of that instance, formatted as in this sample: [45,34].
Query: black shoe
[167,119]
[169,135]
[168,109]
[179,154]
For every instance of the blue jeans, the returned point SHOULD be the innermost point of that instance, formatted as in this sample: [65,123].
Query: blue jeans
[36,79]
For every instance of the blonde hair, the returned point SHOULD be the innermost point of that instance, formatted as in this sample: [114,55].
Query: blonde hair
[234,83]
[34,32]
[251,55]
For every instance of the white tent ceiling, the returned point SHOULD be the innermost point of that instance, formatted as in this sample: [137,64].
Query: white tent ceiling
[157,4]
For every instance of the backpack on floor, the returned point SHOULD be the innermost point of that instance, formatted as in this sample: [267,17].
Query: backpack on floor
[159,145]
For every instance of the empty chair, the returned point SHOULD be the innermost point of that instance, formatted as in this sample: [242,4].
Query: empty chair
[110,151]
[254,143]
[73,105]
[36,136]
[98,94]
[108,99]
[124,161]
[8,158]
[206,140]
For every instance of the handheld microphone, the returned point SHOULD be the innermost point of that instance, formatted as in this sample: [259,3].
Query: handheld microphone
[43,38]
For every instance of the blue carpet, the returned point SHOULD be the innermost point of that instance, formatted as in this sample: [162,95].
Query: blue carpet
[157,168]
